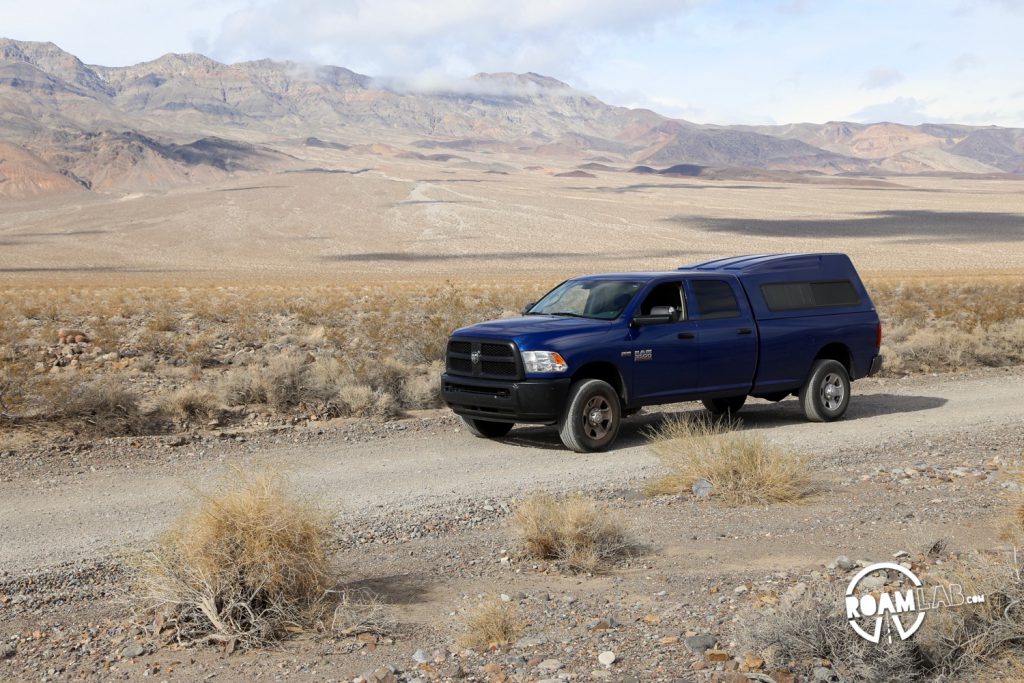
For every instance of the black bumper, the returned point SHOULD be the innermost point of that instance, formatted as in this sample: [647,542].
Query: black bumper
[531,400]
[876,365]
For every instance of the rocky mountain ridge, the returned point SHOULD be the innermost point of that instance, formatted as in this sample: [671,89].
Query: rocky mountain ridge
[68,126]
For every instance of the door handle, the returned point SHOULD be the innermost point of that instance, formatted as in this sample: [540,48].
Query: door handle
[685,335]
[744,330]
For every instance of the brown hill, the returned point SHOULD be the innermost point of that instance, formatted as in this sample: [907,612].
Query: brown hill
[187,118]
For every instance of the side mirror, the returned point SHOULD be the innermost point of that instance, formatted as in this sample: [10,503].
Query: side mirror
[527,307]
[659,315]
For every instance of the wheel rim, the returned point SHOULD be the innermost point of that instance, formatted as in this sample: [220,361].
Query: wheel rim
[833,391]
[597,418]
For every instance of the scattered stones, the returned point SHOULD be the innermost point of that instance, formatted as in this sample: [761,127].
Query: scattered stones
[700,643]
[606,658]
[845,563]
[133,650]
[550,665]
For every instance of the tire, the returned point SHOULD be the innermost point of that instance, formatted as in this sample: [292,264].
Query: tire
[486,429]
[592,417]
[724,406]
[826,393]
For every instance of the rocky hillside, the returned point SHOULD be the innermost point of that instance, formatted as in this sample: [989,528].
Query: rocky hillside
[68,126]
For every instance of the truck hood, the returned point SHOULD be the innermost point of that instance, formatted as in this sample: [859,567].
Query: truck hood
[548,326]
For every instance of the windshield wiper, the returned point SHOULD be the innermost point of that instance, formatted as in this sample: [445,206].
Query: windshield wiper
[572,315]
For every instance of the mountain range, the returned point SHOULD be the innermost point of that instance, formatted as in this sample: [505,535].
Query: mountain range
[66,126]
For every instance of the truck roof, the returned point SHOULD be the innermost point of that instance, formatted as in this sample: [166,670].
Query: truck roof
[751,264]
[764,263]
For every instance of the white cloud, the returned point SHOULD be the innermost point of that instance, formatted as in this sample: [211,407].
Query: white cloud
[413,40]
[907,110]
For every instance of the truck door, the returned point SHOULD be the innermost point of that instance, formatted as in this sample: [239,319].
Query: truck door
[726,337]
[664,357]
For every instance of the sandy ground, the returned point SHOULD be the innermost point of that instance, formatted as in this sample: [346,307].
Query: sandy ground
[398,218]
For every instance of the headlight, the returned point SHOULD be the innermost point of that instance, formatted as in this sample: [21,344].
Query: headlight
[544,361]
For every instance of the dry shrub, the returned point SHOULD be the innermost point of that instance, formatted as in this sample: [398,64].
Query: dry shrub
[243,386]
[248,564]
[101,406]
[423,390]
[284,381]
[163,321]
[949,324]
[14,382]
[492,624]
[575,532]
[191,406]
[742,468]
[361,612]
[944,346]
[362,400]
[965,643]
[814,627]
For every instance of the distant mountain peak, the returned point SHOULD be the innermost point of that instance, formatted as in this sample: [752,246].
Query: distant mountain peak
[528,78]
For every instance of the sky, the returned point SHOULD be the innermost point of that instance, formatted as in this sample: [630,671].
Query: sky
[728,62]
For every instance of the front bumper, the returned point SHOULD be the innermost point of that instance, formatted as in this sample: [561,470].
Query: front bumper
[529,400]
[876,364]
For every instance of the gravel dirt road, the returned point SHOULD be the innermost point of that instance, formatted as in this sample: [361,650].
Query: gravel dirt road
[85,514]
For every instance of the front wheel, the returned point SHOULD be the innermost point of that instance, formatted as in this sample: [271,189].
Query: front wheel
[728,406]
[592,416]
[826,394]
[486,429]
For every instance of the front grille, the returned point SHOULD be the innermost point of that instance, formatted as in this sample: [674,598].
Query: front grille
[478,391]
[498,350]
[461,365]
[496,360]
[489,367]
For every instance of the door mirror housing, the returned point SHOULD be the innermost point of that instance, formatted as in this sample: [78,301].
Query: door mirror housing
[659,315]
[527,307]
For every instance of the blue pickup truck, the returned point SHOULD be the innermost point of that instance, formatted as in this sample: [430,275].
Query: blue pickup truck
[597,348]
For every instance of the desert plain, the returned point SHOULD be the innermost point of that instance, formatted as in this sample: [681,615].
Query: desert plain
[211,271]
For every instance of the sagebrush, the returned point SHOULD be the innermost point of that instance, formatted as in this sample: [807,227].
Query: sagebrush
[248,564]
[742,468]
[575,532]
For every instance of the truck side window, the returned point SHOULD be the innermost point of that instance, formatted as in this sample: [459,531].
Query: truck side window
[715,299]
[665,294]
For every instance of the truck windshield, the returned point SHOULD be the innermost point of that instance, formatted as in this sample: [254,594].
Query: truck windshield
[597,299]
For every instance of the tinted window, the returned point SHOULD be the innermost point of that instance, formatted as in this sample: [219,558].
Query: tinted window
[789,296]
[715,299]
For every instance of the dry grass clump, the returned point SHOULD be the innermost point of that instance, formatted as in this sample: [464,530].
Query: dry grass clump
[742,468]
[492,624]
[969,642]
[102,406]
[575,532]
[248,564]
[191,406]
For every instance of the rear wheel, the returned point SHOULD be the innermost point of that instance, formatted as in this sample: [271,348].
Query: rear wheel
[486,429]
[724,406]
[592,416]
[826,394]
